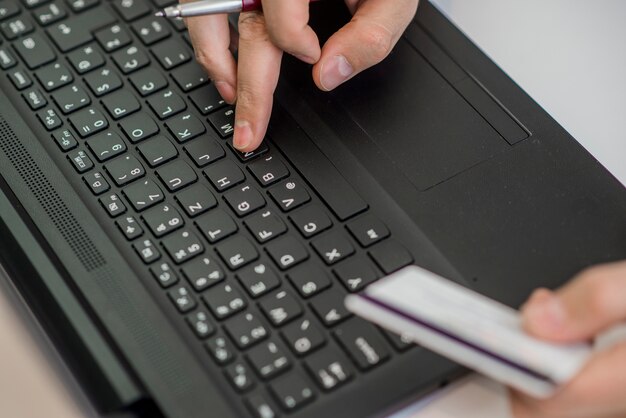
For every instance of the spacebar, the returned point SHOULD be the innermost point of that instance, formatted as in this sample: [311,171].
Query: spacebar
[321,174]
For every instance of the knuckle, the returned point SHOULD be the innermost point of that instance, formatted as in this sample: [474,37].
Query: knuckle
[252,27]
[599,289]
[246,97]
[378,40]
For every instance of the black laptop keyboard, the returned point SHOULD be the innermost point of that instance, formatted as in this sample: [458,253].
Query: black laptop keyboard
[255,259]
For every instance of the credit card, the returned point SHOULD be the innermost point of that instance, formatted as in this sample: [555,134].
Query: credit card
[469,328]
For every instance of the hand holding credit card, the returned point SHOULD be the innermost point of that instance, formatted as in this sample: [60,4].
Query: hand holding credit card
[470,329]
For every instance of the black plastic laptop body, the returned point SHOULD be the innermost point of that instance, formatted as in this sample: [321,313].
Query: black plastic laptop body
[469,176]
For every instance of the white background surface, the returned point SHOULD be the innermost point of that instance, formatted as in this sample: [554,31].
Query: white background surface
[569,55]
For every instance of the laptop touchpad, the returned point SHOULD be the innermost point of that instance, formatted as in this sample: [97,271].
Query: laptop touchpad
[414,115]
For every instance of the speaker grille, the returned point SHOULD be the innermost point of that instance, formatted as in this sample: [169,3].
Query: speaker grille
[49,199]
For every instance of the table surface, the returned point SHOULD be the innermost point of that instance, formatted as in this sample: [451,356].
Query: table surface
[566,54]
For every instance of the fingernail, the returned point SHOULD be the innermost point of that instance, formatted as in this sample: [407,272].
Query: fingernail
[243,134]
[335,71]
[226,91]
[545,311]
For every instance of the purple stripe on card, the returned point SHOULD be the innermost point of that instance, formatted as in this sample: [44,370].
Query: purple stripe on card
[460,340]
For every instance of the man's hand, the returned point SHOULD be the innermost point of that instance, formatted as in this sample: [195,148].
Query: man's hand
[591,303]
[366,40]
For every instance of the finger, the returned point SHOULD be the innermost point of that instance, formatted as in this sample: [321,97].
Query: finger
[590,303]
[210,36]
[288,27]
[259,66]
[366,40]
[598,391]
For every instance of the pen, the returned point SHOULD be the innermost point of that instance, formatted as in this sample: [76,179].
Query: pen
[210,7]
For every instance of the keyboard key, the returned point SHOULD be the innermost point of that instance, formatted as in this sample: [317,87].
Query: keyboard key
[182,245]
[80,160]
[34,3]
[196,200]
[120,104]
[224,300]
[176,175]
[106,145]
[16,27]
[244,200]
[130,59]
[164,274]
[97,183]
[287,252]
[329,307]
[249,155]
[190,76]
[223,121]
[399,342]
[163,219]
[166,104]
[171,53]
[220,349]
[202,273]
[148,81]
[185,127]
[281,308]
[216,225]
[85,59]
[113,38]
[147,251]
[103,81]
[311,220]
[265,226]
[204,151]
[138,127]
[308,279]
[8,8]
[356,273]
[293,391]
[71,98]
[129,227]
[258,279]
[182,298]
[245,330]
[200,324]
[20,79]
[131,9]
[34,51]
[206,99]
[157,151]
[49,118]
[363,343]
[330,368]
[237,252]
[80,5]
[76,31]
[268,170]
[143,194]
[260,407]
[6,59]
[333,247]
[65,139]
[124,170]
[224,175]
[390,256]
[54,76]
[239,376]
[289,195]
[303,336]
[268,359]
[368,230]
[50,13]
[114,206]
[151,30]
[88,122]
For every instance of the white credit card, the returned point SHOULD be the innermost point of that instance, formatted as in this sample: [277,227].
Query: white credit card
[469,328]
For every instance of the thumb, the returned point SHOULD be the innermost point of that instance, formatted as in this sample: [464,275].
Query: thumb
[590,303]
[365,41]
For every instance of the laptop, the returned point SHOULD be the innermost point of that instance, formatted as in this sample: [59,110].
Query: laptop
[180,278]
